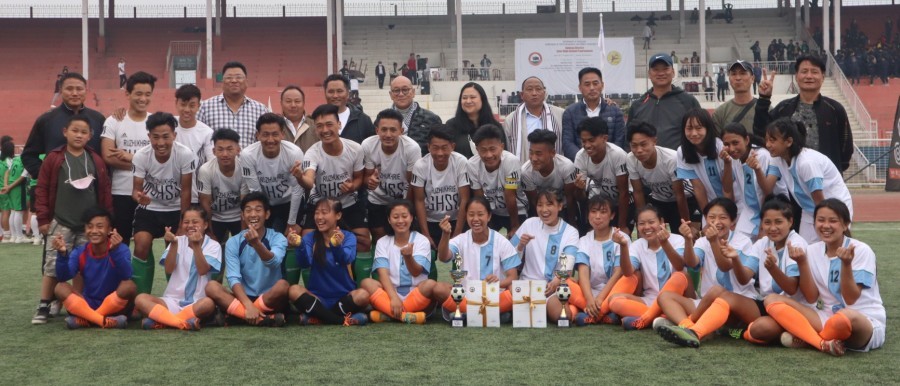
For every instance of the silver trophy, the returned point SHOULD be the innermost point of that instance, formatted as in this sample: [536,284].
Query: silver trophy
[458,292]
[563,292]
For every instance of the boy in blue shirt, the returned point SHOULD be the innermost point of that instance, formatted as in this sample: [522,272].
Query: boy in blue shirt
[106,271]
[253,269]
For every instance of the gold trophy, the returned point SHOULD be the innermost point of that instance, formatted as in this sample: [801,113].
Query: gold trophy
[458,292]
[563,292]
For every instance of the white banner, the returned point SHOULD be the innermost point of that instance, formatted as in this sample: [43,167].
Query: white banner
[557,62]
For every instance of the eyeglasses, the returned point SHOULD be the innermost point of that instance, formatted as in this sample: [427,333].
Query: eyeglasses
[401,91]
[232,78]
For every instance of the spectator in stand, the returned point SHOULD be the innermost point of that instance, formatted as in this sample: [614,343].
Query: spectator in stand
[685,69]
[826,122]
[380,73]
[664,104]
[770,51]
[708,86]
[590,85]
[504,98]
[232,109]
[721,85]
[411,67]
[473,110]
[791,51]
[122,77]
[757,75]
[695,64]
[695,16]
[56,87]
[485,68]
[417,121]
[648,34]
[756,52]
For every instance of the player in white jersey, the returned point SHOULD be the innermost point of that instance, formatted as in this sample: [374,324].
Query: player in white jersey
[440,185]
[810,176]
[496,174]
[194,134]
[541,241]
[697,159]
[190,259]
[123,135]
[653,167]
[745,181]
[656,257]
[486,254]
[389,160]
[266,167]
[219,185]
[723,270]
[547,170]
[848,310]
[333,167]
[602,171]
[163,172]
[403,290]
[597,263]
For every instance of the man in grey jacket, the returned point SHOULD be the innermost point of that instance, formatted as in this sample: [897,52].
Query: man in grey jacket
[663,105]
[417,121]
[590,84]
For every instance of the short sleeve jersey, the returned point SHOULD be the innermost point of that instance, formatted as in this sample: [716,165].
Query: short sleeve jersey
[332,171]
[826,271]
[601,177]
[441,186]
[244,266]
[542,252]
[710,275]
[271,176]
[392,169]
[659,179]
[185,285]
[508,176]
[811,171]
[496,256]
[198,139]
[130,136]
[563,173]
[162,181]
[602,257]
[708,171]
[655,267]
[224,191]
[387,255]
[786,264]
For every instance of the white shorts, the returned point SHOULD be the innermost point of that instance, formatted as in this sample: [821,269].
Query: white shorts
[174,305]
[808,232]
[877,338]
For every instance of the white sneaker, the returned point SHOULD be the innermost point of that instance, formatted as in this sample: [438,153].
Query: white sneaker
[22,240]
[660,322]
[38,240]
[55,307]
[7,240]
[790,341]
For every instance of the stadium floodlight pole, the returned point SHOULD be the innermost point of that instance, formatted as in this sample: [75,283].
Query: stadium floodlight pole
[579,6]
[339,31]
[209,38]
[681,20]
[837,24]
[459,50]
[329,32]
[826,27]
[702,12]
[84,39]
[797,22]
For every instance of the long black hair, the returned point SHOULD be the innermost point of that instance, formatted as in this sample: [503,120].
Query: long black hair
[413,224]
[838,207]
[485,116]
[708,146]
[318,238]
[7,148]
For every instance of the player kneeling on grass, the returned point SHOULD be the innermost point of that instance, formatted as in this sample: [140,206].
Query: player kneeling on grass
[848,308]
[727,268]
[330,295]
[656,259]
[541,240]
[253,269]
[190,259]
[105,265]
[486,254]
[597,263]
[403,290]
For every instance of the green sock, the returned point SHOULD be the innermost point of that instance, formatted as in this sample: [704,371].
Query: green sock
[142,273]
[432,273]
[363,266]
[291,269]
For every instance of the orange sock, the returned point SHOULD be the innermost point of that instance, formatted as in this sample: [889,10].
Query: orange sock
[794,322]
[76,305]
[112,304]
[450,305]
[237,309]
[161,314]
[627,307]
[625,285]
[261,305]
[686,323]
[381,301]
[714,317]
[577,298]
[837,327]
[677,283]
[506,301]
[748,337]
[186,313]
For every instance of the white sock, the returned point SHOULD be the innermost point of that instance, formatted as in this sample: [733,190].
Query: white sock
[15,222]
[35,229]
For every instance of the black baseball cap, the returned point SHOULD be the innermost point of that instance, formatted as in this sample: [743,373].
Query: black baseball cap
[664,57]
[744,64]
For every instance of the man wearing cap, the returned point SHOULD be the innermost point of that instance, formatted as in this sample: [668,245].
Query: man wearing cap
[741,108]
[663,105]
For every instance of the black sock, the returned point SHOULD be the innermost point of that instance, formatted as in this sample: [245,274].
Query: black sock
[309,304]
[346,305]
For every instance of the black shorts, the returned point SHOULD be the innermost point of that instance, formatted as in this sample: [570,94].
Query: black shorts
[377,216]
[155,223]
[31,199]
[278,217]
[123,219]
[762,308]
[434,230]
[498,221]
[223,230]
[669,212]
[353,217]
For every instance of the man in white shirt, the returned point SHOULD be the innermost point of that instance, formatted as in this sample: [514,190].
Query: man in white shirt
[190,132]
[121,139]
[219,185]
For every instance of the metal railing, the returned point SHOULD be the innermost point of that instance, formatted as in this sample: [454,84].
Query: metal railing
[868,125]
[182,48]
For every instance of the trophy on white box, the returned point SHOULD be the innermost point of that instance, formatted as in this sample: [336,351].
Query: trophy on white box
[563,292]
[458,292]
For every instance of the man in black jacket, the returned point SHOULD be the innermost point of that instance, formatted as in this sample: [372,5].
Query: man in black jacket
[46,134]
[417,121]
[827,126]
[355,125]
[664,104]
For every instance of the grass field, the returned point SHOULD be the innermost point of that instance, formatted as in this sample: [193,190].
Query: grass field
[430,354]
